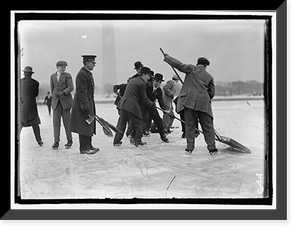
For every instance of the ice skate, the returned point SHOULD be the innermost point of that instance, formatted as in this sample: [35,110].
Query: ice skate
[55,145]
[88,152]
[41,143]
[95,148]
[188,153]
[165,139]
[118,144]
[68,144]
[213,151]
[132,141]
[146,134]
[137,144]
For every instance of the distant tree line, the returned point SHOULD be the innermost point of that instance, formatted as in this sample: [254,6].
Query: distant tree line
[250,88]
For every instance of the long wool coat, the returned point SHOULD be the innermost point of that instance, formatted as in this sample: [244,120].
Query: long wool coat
[83,101]
[29,91]
[198,88]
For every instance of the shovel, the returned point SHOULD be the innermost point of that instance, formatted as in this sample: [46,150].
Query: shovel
[106,126]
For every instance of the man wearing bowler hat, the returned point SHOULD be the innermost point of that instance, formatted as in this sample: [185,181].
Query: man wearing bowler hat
[129,105]
[29,114]
[137,66]
[84,106]
[154,92]
[61,87]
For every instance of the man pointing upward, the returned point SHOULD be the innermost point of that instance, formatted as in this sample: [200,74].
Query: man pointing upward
[195,99]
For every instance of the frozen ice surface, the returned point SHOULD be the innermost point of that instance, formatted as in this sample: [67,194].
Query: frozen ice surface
[149,171]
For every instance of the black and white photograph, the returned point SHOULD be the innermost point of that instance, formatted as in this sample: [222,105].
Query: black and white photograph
[146,108]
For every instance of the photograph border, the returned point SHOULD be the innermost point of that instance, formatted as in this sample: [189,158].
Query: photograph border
[281,18]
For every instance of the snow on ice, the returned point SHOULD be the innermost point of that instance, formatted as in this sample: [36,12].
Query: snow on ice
[157,170]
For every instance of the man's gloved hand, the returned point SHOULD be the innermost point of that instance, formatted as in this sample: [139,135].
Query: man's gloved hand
[86,112]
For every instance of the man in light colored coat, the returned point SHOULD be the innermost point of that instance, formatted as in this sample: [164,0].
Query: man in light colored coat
[195,99]
[61,87]
[168,96]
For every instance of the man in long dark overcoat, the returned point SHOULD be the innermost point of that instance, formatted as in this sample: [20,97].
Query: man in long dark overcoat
[84,106]
[195,99]
[29,114]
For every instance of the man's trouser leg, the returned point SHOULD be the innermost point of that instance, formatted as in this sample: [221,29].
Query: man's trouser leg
[84,142]
[207,125]
[137,124]
[56,122]
[123,119]
[129,128]
[37,132]
[66,116]
[181,113]
[157,120]
[190,116]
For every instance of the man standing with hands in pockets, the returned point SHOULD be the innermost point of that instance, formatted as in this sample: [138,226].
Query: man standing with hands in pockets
[61,87]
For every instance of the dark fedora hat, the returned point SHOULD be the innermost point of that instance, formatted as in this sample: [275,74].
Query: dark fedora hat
[145,70]
[158,77]
[28,69]
[137,65]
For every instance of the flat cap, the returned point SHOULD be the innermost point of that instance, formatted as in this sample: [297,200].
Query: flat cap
[61,63]
[203,61]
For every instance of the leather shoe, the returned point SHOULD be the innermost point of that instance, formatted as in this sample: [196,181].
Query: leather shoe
[88,152]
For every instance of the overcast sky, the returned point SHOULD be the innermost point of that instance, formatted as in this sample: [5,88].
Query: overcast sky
[235,48]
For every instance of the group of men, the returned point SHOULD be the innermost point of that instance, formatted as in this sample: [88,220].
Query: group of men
[61,84]
[135,103]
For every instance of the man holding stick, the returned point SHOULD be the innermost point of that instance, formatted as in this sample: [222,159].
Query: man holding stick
[84,106]
[195,99]
[134,96]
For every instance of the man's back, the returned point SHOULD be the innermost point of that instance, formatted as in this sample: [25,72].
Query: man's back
[198,88]
[134,96]
[29,88]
